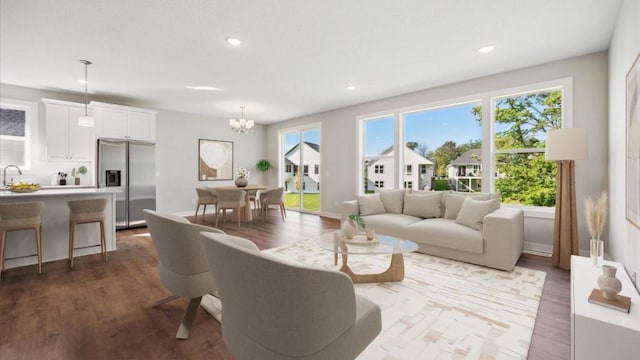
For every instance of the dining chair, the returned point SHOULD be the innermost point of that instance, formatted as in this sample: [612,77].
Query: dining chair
[21,216]
[206,196]
[231,199]
[182,266]
[273,197]
[272,309]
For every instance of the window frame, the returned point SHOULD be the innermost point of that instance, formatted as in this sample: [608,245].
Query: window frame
[486,100]
[31,128]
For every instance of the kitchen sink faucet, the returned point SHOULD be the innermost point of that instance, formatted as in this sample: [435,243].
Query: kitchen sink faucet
[4,174]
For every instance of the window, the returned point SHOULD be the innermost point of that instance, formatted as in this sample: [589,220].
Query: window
[316,169]
[523,176]
[379,184]
[16,119]
[495,139]
[288,168]
[305,170]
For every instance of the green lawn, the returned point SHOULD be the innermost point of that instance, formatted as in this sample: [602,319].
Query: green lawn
[310,202]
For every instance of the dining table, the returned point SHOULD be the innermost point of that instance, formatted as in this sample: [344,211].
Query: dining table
[251,190]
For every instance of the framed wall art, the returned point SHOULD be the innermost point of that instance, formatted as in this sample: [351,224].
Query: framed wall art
[632,134]
[215,160]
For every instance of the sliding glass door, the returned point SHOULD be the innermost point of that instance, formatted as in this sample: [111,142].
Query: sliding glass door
[300,166]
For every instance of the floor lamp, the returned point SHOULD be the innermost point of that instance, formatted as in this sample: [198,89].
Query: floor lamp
[565,145]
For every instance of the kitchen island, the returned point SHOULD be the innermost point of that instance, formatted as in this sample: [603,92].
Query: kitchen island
[21,245]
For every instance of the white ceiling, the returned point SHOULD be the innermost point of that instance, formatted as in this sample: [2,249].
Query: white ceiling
[297,56]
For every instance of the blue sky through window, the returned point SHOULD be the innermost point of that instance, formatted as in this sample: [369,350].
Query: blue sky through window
[430,127]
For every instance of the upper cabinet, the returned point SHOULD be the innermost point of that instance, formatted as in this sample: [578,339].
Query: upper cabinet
[124,122]
[65,139]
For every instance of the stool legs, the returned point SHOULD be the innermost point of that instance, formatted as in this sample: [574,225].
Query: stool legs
[3,242]
[4,238]
[72,235]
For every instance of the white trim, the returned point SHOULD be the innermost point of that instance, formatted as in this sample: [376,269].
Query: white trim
[537,249]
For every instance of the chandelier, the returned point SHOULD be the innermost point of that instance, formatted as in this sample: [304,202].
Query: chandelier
[241,125]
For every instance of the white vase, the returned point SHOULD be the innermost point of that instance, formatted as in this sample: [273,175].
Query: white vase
[609,283]
[596,250]
[348,229]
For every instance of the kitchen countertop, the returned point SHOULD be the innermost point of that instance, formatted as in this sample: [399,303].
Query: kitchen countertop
[61,190]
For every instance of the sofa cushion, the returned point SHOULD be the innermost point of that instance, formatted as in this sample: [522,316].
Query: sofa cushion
[370,204]
[390,224]
[445,233]
[423,205]
[392,200]
[473,212]
[452,202]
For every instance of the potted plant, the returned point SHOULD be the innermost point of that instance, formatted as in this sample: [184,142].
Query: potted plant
[76,173]
[264,166]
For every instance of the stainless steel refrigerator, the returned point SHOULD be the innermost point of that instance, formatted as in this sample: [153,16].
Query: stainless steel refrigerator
[130,165]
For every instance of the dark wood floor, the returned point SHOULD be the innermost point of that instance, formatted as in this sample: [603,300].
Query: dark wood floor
[103,310]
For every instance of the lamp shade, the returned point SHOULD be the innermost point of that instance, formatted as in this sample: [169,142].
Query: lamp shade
[567,144]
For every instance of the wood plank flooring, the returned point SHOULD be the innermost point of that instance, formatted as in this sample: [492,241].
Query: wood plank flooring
[103,310]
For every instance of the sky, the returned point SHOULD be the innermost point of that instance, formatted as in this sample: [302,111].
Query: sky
[431,128]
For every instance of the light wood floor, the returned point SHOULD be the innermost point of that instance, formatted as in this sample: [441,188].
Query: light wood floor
[103,310]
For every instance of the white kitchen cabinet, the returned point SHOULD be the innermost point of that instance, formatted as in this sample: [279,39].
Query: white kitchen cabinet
[124,122]
[65,139]
[598,332]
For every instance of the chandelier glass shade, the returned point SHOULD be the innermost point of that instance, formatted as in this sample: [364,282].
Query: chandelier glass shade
[241,125]
[86,120]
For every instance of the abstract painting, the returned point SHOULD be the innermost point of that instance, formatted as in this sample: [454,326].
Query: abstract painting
[215,160]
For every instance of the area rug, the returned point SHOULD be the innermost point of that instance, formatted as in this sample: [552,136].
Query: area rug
[444,309]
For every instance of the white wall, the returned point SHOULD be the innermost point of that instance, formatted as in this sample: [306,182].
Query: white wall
[590,110]
[177,136]
[624,238]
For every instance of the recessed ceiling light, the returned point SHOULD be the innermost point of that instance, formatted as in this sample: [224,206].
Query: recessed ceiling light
[204,88]
[233,41]
[351,87]
[82,81]
[486,49]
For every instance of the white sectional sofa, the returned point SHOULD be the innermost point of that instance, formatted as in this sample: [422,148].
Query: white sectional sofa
[469,227]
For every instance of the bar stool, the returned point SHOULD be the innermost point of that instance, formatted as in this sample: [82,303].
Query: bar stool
[21,216]
[83,212]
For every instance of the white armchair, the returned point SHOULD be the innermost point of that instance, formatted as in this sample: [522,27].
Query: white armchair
[277,310]
[181,262]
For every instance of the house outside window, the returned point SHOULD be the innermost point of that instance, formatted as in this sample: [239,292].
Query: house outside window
[305,169]
[316,169]
[408,169]
[288,168]
[380,184]
[408,184]
[379,169]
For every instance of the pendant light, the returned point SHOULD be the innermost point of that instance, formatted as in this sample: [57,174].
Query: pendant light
[86,120]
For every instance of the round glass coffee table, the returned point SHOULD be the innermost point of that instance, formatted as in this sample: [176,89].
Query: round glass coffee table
[382,244]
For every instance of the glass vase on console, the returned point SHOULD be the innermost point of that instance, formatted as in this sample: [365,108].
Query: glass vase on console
[596,251]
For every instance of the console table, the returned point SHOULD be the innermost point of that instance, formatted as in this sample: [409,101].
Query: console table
[598,332]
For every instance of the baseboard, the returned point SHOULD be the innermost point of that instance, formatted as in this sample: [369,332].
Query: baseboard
[537,249]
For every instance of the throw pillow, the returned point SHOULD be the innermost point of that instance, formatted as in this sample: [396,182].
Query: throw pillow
[453,202]
[370,204]
[423,205]
[392,200]
[473,212]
